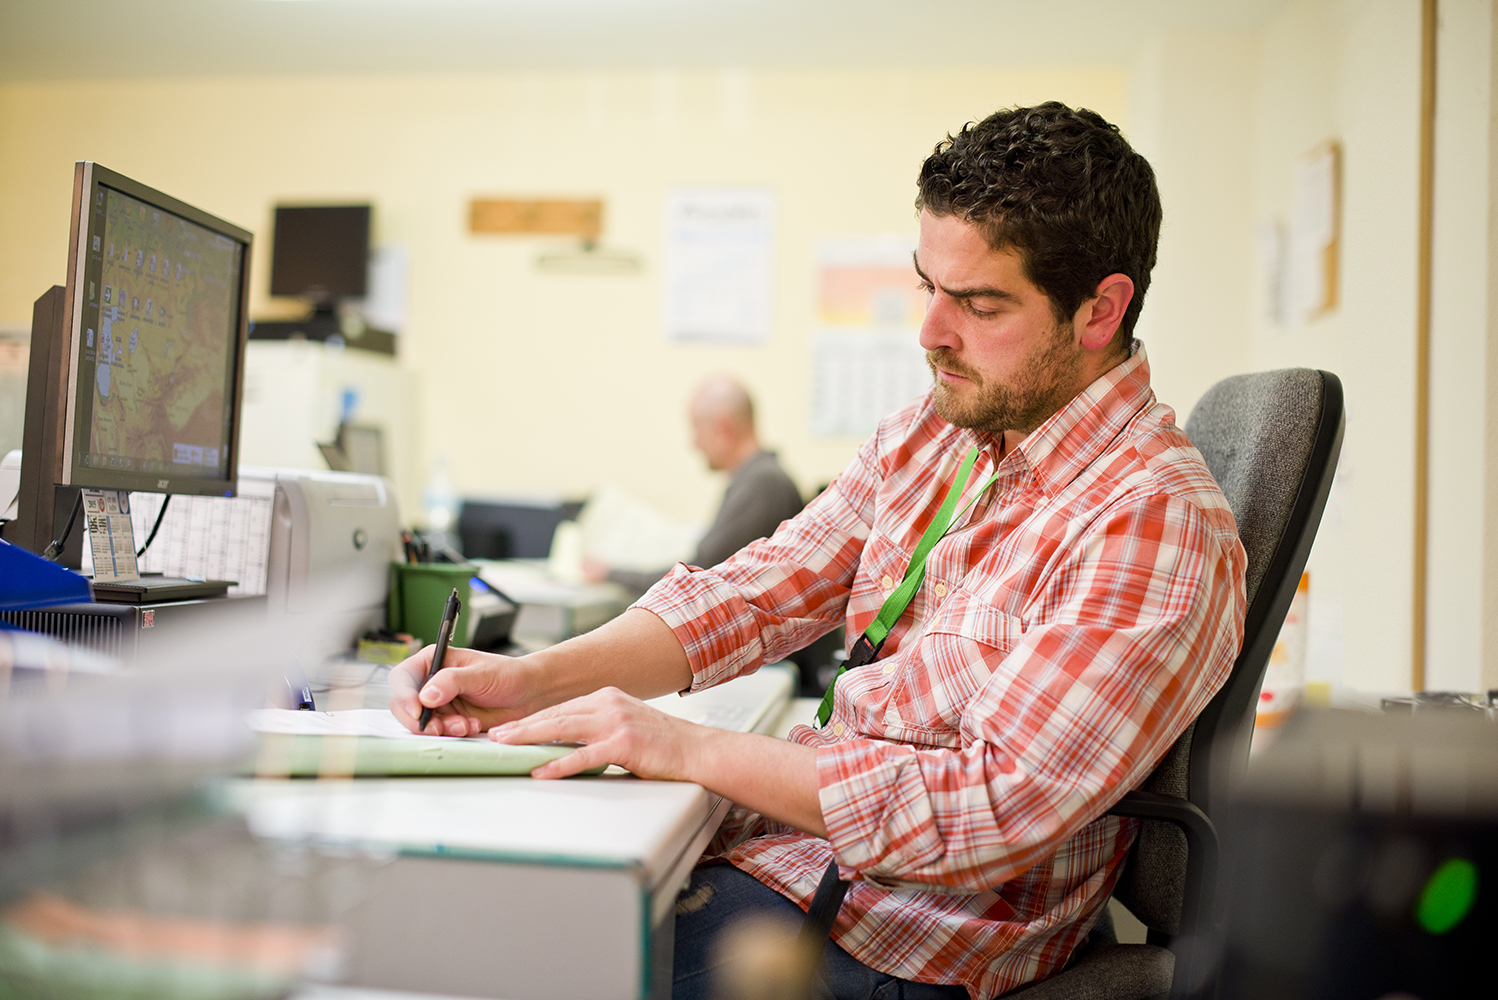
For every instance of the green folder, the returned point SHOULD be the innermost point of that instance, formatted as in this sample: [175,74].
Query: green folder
[301,756]
[353,745]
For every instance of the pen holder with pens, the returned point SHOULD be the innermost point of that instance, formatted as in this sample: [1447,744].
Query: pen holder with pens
[418,592]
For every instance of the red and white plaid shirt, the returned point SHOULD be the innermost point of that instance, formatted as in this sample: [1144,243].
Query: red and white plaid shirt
[1069,627]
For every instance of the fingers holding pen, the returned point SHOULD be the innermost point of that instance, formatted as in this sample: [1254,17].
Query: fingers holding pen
[453,719]
[405,681]
[473,691]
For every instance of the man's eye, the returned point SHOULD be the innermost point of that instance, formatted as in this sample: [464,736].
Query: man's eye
[978,310]
[926,287]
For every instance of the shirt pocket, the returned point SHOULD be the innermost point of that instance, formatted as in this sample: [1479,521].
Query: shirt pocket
[881,567]
[963,645]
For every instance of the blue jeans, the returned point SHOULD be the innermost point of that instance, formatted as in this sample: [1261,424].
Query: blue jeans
[720,893]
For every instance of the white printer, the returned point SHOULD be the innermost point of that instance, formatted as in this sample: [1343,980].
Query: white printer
[333,536]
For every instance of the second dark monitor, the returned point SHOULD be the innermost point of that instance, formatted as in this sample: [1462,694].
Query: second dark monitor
[320,252]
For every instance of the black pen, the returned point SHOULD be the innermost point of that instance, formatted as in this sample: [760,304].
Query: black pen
[444,636]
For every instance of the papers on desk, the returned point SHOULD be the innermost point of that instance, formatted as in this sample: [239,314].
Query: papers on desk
[527,581]
[356,722]
[369,741]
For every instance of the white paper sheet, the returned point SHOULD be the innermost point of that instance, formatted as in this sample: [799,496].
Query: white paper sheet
[719,265]
[1313,236]
[352,722]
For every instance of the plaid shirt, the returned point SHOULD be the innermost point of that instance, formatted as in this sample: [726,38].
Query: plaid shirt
[1069,627]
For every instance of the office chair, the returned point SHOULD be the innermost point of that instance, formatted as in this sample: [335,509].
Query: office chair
[1271,440]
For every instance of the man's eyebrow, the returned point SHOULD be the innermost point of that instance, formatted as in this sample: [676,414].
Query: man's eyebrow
[963,293]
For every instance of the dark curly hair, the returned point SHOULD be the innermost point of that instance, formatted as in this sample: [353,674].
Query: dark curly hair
[1061,187]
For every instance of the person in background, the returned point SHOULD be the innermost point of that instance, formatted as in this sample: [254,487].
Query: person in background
[759,495]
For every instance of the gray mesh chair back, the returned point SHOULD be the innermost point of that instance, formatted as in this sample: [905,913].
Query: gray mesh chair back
[1271,440]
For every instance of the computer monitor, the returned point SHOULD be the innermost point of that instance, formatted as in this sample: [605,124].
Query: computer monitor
[320,253]
[358,448]
[137,365]
[511,529]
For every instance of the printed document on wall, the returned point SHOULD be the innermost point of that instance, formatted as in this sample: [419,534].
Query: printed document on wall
[1314,240]
[867,358]
[719,266]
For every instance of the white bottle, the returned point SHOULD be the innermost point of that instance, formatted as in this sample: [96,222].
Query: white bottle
[438,501]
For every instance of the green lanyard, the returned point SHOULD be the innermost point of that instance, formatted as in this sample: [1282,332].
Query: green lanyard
[868,645]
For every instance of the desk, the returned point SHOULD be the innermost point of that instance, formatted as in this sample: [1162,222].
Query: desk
[513,888]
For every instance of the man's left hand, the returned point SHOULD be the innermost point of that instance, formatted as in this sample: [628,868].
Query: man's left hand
[617,729]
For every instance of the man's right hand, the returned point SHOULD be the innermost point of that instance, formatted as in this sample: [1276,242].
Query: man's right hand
[636,652]
[471,693]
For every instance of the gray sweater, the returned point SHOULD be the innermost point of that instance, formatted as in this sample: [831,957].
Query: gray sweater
[759,496]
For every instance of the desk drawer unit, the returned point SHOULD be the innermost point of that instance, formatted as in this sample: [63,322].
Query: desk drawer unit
[466,904]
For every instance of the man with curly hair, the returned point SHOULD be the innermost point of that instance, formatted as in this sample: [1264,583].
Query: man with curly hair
[1023,663]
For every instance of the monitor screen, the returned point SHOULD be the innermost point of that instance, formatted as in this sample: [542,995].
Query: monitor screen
[320,252]
[364,447]
[158,328]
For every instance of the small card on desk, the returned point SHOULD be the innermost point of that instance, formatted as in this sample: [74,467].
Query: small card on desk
[110,535]
[369,741]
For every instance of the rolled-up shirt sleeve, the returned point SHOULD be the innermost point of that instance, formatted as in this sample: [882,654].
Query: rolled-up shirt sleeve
[776,594]
[1075,702]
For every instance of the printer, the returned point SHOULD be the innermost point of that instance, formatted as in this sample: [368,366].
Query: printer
[333,536]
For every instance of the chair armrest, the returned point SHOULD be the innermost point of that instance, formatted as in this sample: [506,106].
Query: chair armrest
[1168,809]
[1201,866]
[1199,898]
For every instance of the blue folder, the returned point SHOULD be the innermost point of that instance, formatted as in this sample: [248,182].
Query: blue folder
[29,581]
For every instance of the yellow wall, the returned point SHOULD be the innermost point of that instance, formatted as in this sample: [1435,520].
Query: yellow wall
[528,381]
[1349,72]
[532,382]
[1462,639]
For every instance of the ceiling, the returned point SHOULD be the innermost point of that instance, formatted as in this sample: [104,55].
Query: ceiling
[61,39]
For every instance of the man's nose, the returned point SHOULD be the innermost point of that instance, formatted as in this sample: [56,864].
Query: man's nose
[938,328]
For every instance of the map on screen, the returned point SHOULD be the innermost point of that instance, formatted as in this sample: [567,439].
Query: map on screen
[162,350]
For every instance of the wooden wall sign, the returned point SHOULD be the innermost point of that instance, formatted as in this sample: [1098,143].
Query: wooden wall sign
[518,217]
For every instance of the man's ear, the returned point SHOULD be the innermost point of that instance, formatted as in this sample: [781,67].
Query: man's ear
[1098,318]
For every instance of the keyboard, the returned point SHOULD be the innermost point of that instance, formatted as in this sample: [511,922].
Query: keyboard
[732,717]
[152,588]
[745,704]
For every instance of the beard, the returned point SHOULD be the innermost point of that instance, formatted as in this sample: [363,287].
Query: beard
[1047,381]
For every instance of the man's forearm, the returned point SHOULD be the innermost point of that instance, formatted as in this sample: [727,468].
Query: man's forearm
[639,654]
[775,778]
[636,652]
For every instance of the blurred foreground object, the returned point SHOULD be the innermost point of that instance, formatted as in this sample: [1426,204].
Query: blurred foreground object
[762,958]
[122,871]
[1364,858]
[178,903]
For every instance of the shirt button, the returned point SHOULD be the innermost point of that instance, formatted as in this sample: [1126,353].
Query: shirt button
[837,729]
[941,590]
[889,668]
[888,583]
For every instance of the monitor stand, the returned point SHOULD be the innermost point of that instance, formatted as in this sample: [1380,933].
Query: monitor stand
[42,507]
